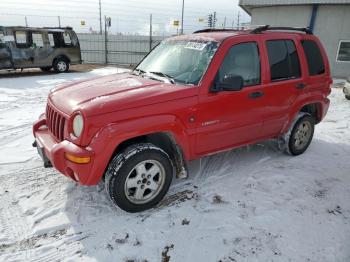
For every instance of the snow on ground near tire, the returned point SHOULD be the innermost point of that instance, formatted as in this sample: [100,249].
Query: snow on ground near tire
[249,204]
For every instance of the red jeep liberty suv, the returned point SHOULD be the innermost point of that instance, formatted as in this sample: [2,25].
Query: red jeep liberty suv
[191,96]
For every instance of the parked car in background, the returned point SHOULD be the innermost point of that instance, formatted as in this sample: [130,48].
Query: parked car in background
[45,48]
[192,96]
[346,89]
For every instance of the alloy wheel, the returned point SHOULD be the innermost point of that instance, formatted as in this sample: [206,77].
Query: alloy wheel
[302,135]
[144,182]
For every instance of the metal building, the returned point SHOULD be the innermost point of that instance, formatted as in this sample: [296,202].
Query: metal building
[329,20]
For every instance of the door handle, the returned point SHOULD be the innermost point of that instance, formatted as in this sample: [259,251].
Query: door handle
[254,95]
[300,86]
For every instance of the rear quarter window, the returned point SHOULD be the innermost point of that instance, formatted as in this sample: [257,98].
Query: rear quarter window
[67,39]
[60,39]
[314,58]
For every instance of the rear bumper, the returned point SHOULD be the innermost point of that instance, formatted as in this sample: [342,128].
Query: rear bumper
[325,107]
[76,62]
[53,153]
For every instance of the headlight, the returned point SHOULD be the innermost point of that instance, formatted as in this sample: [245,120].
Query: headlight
[78,124]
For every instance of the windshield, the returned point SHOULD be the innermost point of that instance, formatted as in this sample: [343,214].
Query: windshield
[179,61]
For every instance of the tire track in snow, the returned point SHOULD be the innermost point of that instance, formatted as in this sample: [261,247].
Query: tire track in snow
[17,240]
[13,224]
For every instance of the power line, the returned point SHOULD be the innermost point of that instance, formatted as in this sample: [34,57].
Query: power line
[115,6]
[120,13]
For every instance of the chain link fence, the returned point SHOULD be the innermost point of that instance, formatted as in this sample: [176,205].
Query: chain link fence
[116,49]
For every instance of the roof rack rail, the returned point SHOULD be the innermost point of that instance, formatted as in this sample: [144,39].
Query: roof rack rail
[208,30]
[52,27]
[38,28]
[280,28]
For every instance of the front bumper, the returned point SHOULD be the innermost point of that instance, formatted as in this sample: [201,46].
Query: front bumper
[53,154]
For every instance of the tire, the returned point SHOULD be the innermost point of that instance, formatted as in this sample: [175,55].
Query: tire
[301,135]
[347,97]
[61,65]
[45,69]
[138,178]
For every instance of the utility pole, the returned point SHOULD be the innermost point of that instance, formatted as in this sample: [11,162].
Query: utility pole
[59,21]
[99,2]
[25,18]
[238,20]
[210,20]
[224,23]
[182,17]
[150,32]
[106,39]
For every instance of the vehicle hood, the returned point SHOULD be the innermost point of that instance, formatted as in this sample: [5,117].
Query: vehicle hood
[113,93]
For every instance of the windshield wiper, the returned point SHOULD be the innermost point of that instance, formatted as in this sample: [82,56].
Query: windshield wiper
[140,71]
[170,78]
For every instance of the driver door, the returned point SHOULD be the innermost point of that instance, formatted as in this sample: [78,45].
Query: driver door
[228,119]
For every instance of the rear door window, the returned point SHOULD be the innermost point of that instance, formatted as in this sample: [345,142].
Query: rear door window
[283,60]
[295,71]
[314,58]
[51,39]
[37,39]
[22,39]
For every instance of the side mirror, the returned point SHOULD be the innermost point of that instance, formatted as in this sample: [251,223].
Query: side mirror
[229,83]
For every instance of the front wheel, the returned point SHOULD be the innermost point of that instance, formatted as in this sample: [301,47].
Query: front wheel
[139,177]
[301,135]
[347,97]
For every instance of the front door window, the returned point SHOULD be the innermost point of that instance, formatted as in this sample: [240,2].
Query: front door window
[242,60]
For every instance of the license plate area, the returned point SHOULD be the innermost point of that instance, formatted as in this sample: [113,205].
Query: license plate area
[42,154]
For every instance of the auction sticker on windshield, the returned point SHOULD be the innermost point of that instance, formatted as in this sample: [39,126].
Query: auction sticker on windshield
[196,45]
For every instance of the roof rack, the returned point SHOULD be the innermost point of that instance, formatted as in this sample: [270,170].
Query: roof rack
[38,28]
[208,30]
[280,28]
[66,27]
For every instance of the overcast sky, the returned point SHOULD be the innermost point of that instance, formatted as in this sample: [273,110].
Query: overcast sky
[128,16]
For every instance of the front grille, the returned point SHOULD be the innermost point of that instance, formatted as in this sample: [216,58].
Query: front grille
[55,123]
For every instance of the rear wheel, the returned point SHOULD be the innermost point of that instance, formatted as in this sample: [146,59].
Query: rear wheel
[139,177]
[347,97]
[45,69]
[61,65]
[301,135]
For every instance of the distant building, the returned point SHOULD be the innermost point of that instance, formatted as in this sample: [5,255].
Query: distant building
[329,20]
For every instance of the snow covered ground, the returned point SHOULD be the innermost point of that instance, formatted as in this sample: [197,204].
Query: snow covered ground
[249,204]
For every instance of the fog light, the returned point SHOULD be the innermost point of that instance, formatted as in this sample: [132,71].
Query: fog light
[77,159]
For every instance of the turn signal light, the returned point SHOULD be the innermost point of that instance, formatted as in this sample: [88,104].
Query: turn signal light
[77,159]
